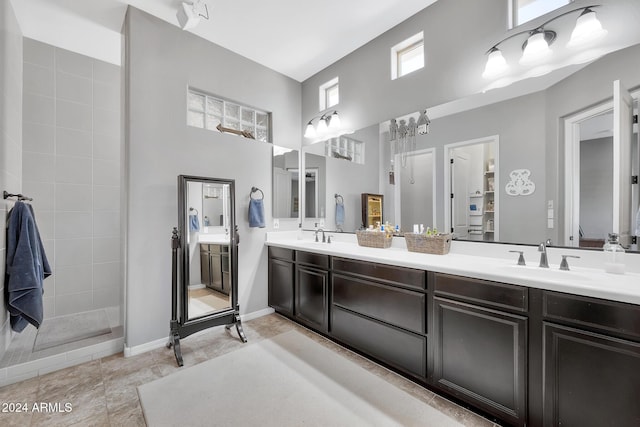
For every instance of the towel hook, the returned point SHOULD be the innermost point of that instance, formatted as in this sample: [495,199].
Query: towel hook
[339,199]
[6,195]
[194,209]
[253,190]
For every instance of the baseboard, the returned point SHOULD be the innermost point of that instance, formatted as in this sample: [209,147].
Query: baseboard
[143,348]
[256,314]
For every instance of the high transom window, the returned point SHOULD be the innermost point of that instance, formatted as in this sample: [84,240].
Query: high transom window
[526,10]
[207,112]
[407,56]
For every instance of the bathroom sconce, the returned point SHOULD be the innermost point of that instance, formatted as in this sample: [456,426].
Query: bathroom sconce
[327,125]
[536,48]
[189,14]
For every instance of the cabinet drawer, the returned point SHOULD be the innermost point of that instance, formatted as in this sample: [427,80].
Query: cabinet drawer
[617,317]
[399,307]
[397,275]
[204,247]
[404,350]
[310,258]
[282,253]
[493,294]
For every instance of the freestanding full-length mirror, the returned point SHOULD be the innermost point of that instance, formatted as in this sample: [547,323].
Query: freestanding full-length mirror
[205,276]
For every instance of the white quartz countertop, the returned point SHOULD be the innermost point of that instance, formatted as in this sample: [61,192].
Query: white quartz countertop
[593,282]
[222,239]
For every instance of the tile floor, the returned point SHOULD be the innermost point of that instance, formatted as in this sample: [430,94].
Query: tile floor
[103,392]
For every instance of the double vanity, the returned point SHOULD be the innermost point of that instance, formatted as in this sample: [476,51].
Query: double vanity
[521,344]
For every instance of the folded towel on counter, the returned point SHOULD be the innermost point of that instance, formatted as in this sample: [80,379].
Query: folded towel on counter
[256,213]
[194,223]
[339,214]
[27,267]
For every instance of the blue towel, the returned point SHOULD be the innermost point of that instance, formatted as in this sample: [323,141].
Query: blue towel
[194,223]
[339,214]
[27,267]
[256,213]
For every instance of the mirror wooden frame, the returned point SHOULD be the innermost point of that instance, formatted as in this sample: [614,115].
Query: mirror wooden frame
[180,325]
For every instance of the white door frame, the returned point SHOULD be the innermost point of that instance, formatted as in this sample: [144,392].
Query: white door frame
[571,235]
[492,139]
[397,188]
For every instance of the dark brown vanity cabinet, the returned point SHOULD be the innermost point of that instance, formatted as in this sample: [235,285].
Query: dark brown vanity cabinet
[381,310]
[214,267]
[480,344]
[281,279]
[311,290]
[591,361]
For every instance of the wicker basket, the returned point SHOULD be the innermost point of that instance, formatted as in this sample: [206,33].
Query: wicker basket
[437,245]
[373,239]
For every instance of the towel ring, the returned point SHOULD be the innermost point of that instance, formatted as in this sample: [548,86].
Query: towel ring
[194,209]
[255,189]
[339,199]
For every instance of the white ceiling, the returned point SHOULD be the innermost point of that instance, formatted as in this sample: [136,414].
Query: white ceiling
[294,37]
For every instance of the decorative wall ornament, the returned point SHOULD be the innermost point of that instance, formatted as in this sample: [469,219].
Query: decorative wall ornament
[520,184]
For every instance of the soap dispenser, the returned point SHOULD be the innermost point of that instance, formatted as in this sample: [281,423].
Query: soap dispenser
[613,255]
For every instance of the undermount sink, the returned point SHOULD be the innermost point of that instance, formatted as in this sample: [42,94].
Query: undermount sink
[552,273]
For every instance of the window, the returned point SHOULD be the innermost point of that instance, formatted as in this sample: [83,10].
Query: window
[207,112]
[526,10]
[345,148]
[329,94]
[407,56]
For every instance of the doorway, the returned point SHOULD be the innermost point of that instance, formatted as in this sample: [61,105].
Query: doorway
[415,190]
[471,180]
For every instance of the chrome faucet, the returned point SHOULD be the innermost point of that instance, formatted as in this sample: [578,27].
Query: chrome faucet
[324,240]
[542,248]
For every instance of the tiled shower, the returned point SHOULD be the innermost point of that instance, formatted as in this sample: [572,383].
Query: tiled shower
[71,167]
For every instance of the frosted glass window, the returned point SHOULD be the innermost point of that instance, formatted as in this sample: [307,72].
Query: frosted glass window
[329,94]
[207,112]
[526,10]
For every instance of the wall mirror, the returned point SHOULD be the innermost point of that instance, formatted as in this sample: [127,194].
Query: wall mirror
[525,125]
[286,166]
[205,270]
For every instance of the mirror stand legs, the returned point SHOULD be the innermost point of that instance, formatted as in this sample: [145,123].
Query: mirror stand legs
[174,341]
[238,323]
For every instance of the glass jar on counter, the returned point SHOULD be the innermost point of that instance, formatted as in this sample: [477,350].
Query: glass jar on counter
[613,255]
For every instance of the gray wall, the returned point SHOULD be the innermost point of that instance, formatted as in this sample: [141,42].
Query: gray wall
[71,168]
[162,61]
[596,182]
[10,136]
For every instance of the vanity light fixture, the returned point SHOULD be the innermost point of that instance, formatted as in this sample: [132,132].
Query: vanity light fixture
[536,49]
[328,123]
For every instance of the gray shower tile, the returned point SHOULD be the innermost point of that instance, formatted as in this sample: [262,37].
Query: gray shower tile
[106,249]
[103,298]
[73,142]
[106,72]
[38,138]
[74,63]
[106,276]
[106,198]
[106,147]
[73,115]
[106,121]
[74,303]
[73,225]
[36,52]
[46,224]
[106,96]
[38,109]
[106,172]
[73,252]
[106,224]
[74,88]
[73,170]
[74,279]
[73,197]
[38,80]
[38,167]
